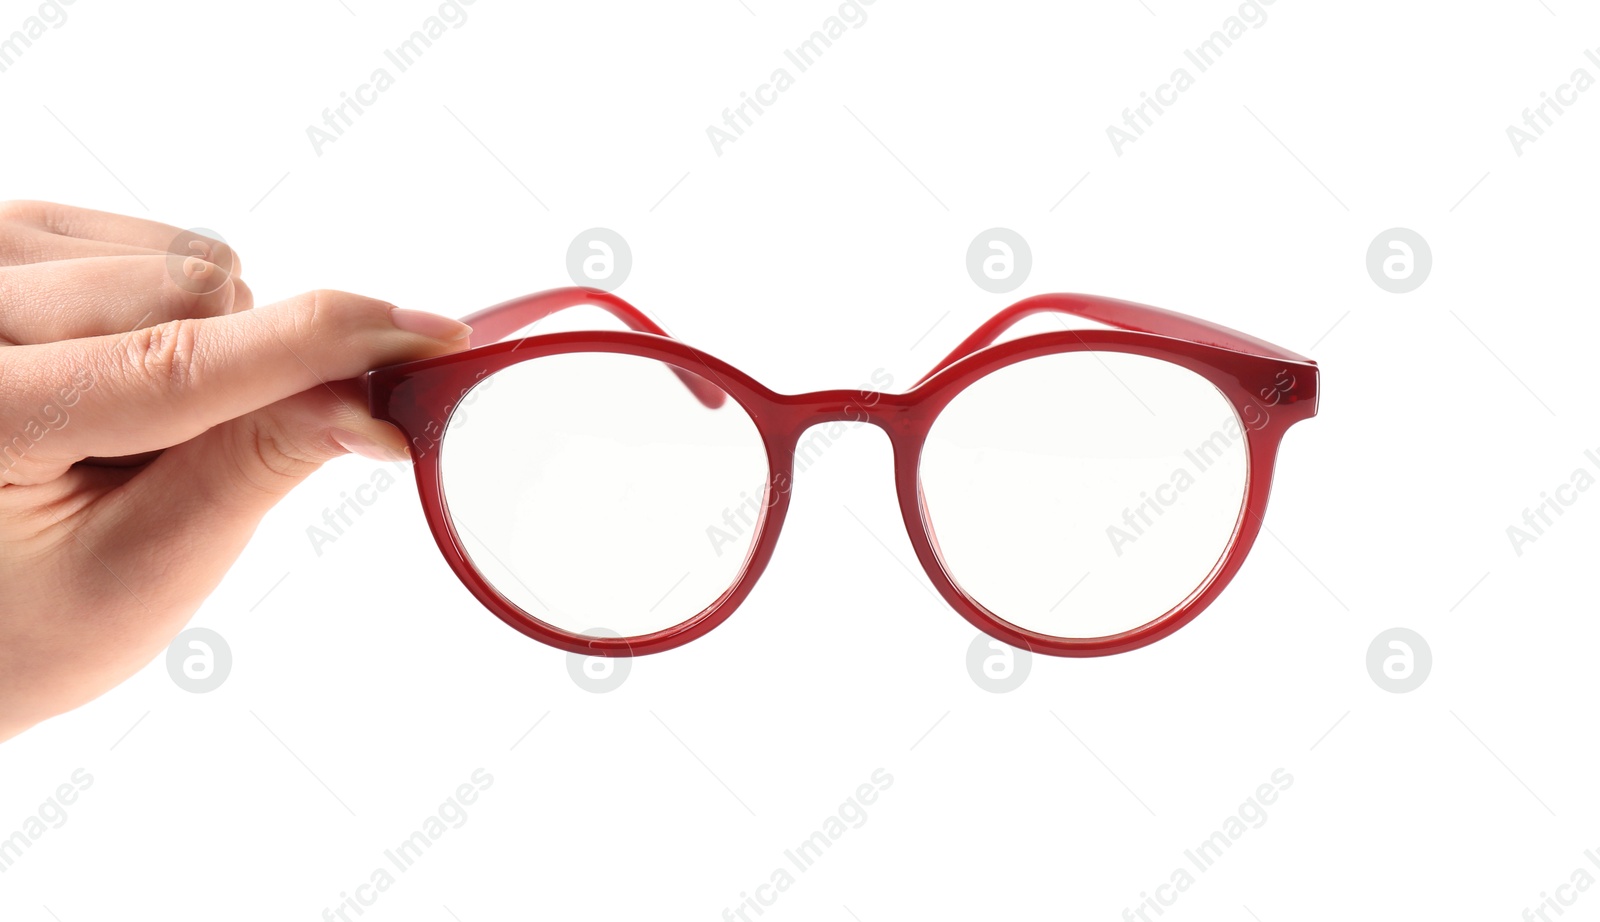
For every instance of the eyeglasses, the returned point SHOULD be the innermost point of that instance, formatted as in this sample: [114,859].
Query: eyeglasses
[1076,493]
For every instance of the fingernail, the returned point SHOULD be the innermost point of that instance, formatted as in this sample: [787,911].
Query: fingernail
[367,448]
[431,325]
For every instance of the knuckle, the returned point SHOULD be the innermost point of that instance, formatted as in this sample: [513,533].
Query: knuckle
[165,353]
[271,461]
[279,456]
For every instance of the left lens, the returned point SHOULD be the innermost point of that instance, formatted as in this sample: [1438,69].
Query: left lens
[596,491]
[1084,494]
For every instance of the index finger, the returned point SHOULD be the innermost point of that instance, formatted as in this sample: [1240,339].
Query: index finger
[155,387]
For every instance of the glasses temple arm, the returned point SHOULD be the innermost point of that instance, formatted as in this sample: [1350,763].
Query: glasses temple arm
[1122,315]
[497,323]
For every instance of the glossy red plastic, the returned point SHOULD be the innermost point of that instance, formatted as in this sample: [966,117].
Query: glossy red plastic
[1269,387]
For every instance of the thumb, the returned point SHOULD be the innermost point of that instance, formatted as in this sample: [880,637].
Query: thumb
[168,535]
[195,506]
[247,464]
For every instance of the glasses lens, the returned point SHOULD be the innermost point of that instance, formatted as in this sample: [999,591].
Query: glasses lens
[1083,494]
[596,492]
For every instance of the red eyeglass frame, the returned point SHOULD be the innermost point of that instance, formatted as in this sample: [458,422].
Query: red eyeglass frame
[1270,388]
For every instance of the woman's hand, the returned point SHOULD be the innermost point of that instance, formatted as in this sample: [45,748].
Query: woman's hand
[149,416]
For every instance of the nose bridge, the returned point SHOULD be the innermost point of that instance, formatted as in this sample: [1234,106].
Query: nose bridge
[854,406]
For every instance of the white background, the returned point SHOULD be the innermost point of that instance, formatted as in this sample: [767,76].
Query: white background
[367,684]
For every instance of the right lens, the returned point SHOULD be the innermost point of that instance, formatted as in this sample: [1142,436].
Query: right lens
[1084,494]
[596,491]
